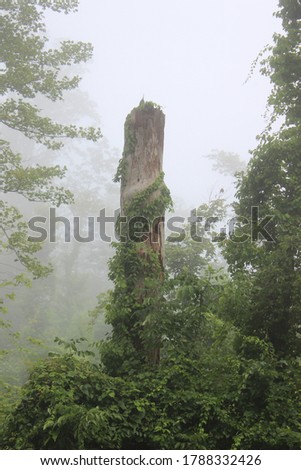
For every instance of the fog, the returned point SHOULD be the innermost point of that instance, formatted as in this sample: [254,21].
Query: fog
[185,332]
[192,58]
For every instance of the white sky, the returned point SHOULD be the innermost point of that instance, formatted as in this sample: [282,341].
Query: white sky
[191,57]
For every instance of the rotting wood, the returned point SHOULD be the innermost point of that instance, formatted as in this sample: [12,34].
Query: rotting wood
[141,167]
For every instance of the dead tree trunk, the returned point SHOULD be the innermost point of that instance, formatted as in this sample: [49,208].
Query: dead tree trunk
[141,169]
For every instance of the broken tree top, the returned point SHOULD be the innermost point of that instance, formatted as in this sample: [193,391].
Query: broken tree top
[144,199]
[143,149]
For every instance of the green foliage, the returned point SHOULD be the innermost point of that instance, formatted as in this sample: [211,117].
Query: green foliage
[231,394]
[227,163]
[229,375]
[134,306]
[136,303]
[272,183]
[150,203]
[130,138]
[268,398]
[32,76]
[283,66]
[121,170]
[185,252]
[31,71]
[33,183]
[129,148]
[148,105]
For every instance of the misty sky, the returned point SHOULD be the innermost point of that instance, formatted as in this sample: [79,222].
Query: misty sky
[192,57]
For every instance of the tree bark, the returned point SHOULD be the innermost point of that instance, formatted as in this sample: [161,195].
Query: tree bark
[142,164]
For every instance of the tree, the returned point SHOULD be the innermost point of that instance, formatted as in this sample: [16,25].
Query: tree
[31,72]
[32,76]
[227,163]
[272,185]
[137,267]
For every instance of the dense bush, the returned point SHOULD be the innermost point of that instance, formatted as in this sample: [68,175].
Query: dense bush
[241,399]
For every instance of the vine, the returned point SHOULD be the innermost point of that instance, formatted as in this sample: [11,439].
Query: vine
[136,303]
[148,105]
[146,207]
[121,170]
[130,145]
[134,308]
[130,138]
